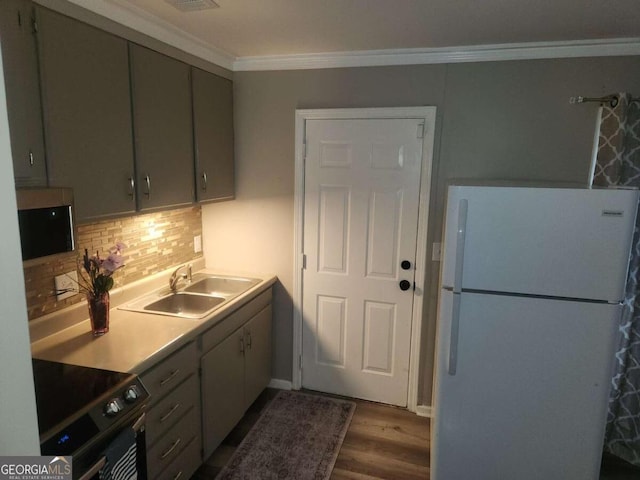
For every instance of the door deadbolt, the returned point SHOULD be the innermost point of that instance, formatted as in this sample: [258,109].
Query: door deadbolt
[405,264]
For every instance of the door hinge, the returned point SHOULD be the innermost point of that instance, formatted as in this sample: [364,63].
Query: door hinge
[303,261]
[300,361]
[304,151]
[421,130]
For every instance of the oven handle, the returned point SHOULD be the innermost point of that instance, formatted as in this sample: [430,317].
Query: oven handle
[95,469]
[137,426]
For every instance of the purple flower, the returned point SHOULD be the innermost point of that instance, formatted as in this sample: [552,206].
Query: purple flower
[98,278]
[113,262]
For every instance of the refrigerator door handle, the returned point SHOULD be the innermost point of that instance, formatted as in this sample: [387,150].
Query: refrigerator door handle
[453,338]
[461,233]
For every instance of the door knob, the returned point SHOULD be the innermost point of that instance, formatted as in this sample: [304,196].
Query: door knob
[405,285]
[405,264]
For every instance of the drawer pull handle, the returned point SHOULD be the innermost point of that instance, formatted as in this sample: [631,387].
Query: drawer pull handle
[170,412]
[170,377]
[242,345]
[178,475]
[171,449]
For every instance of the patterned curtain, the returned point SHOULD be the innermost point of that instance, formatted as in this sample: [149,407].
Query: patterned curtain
[618,163]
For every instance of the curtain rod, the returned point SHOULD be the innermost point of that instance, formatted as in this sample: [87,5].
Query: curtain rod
[612,100]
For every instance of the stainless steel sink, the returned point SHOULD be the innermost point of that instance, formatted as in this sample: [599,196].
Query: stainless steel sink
[222,286]
[185,305]
[198,299]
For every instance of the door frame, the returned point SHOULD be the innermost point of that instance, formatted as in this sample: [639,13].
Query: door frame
[428,114]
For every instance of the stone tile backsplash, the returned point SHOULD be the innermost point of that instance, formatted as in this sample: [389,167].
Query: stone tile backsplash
[154,241]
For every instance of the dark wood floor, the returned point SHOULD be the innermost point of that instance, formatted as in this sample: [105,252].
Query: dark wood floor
[382,442]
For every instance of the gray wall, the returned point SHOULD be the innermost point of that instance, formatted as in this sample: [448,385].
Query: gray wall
[498,120]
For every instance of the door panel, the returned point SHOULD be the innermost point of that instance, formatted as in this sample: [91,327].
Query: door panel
[333,227]
[531,383]
[87,111]
[541,228]
[20,61]
[162,120]
[385,211]
[362,181]
[213,135]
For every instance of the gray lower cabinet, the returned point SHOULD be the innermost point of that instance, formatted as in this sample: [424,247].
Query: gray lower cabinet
[163,133]
[87,111]
[20,61]
[235,368]
[213,136]
[173,427]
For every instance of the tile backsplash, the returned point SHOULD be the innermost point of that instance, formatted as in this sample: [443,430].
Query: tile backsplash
[154,241]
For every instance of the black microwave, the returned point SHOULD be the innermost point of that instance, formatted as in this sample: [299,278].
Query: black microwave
[45,217]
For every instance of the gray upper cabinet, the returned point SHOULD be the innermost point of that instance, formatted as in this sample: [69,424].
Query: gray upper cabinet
[19,55]
[87,110]
[213,135]
[162,118]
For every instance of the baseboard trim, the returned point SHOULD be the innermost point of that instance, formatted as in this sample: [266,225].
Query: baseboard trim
[280,384]
[424,411]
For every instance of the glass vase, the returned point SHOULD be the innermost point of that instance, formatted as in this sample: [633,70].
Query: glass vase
[99,313]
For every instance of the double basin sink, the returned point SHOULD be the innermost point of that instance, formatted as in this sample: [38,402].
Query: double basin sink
[197,299]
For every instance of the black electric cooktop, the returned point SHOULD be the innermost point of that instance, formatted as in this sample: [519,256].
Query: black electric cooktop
[64,392]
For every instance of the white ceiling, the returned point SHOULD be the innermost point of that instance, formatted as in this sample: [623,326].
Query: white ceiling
[259,28]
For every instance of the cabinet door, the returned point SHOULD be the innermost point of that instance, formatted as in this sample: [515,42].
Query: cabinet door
[213,134]
[87,107]
[20,61]
[222,390]
[162,120]
[257,367]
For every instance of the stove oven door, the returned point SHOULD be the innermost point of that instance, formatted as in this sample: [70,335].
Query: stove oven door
[89,465]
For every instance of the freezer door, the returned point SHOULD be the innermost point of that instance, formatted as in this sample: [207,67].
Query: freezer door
[572,243]
[529,394]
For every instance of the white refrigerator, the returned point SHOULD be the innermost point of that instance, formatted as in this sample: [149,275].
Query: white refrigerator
[531,288]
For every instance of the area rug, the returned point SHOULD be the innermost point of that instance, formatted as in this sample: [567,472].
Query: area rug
[297,437]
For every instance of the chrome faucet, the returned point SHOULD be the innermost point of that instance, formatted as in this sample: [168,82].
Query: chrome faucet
[175,278]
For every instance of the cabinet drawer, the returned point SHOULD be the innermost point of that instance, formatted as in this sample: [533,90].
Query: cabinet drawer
[183,467]
[169,447]
[167,411]
[165,376]
[228,325]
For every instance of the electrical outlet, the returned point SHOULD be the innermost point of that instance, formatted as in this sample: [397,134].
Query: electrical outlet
[197,243]
[68,284]
[436,253]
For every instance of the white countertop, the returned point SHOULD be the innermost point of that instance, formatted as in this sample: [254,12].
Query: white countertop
[135,341]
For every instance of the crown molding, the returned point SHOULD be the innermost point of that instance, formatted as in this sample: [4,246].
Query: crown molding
[128,14]
[132,16]
[419,56]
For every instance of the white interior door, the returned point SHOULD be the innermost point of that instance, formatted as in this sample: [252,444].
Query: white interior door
[362,185]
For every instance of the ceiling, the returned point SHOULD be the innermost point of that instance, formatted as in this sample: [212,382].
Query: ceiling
[261,28]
